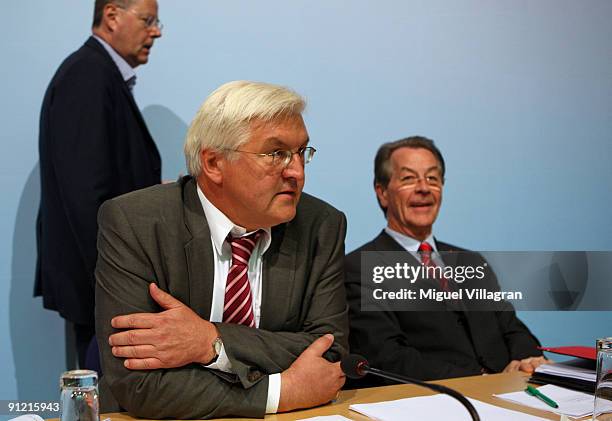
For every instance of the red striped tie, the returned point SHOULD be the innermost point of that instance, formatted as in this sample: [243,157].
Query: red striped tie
[238,307]
[425,250]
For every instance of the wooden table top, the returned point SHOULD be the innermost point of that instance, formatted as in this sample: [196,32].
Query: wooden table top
[477,387]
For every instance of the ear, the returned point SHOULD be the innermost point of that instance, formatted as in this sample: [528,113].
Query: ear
[212,163]
[110,14]
[381,194]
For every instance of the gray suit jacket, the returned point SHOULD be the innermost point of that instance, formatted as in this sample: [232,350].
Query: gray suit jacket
[161,235]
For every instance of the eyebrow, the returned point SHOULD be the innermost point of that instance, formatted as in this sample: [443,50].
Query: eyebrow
[435,167]
[275,141]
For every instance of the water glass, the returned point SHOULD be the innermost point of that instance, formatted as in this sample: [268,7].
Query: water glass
[603,389]
[79,396]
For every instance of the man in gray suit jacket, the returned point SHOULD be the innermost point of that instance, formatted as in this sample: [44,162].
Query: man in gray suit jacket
[218,295]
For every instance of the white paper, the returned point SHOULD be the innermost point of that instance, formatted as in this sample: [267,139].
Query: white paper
[443,407]
[27,417]
[326,418]
[572,403]
[569,369]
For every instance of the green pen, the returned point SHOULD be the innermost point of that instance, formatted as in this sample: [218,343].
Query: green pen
[535,392]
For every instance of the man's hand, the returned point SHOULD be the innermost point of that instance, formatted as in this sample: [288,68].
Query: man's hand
[311,380]
[173,338]
[528,365]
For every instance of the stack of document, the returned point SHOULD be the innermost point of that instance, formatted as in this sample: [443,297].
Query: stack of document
[567,370]
[575,374]
[571,403]
[437,407]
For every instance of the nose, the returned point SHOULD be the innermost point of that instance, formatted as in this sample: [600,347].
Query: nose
[422,186]
[295,168]
[155,30]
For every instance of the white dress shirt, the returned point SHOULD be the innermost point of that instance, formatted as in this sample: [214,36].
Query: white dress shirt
[220,226]
[412,245]
[127,72]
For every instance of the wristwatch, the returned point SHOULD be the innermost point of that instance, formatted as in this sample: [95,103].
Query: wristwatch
[216,346]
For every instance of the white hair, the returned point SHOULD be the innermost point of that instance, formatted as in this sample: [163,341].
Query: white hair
[222,122]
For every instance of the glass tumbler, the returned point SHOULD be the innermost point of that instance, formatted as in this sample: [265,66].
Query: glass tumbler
[79,396]
[603,389]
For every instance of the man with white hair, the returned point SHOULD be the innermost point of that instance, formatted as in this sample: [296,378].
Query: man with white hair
[222,294]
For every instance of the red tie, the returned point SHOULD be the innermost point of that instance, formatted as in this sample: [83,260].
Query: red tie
[425,250]
[238,307]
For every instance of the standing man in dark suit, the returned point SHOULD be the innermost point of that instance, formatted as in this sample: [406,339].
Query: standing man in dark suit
[429,345]
[94,145]
[219,294]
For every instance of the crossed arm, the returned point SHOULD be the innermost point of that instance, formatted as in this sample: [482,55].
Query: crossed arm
[162,376]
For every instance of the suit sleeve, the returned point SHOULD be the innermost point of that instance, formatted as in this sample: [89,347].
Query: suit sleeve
[253,349]
[80,135]
[123,273]
[379,337]
[519,340]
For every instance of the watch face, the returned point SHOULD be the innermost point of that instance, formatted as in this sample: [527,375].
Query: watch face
[217,344]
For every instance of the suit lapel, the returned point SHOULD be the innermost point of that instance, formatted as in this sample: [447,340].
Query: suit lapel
[451,258]
[450,254]
[138,115]
[278,277]
[384,242]
[198,252]
[139,118]
[93,43]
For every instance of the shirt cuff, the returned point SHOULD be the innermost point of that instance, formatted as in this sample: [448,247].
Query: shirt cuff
[224,364]
[274,389]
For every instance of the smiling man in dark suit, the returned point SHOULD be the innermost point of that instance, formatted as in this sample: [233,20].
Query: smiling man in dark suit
[409,180]
[94,145]
[219,294]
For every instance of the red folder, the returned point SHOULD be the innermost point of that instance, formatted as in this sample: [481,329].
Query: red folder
[586,352]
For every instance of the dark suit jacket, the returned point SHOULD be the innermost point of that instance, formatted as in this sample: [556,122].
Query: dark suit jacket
[431,345]
[93,145]
[161,235]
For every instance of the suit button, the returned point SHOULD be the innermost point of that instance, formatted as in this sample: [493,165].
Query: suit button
[253,376]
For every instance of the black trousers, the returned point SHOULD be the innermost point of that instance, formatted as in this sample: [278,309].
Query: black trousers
[83,336]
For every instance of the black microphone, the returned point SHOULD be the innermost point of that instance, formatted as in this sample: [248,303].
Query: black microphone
[355,367]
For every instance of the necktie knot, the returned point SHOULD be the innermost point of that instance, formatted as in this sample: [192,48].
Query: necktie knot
[425,250]
[242,247]
[425,246]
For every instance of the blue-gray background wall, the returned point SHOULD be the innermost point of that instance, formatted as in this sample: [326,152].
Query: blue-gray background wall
[517,94]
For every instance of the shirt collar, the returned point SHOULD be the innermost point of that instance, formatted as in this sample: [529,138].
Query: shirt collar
[409,243]
[127,72]
[221,226]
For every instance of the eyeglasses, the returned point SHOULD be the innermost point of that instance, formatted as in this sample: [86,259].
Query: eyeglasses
[433,181]
[282,158]
[149,21]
